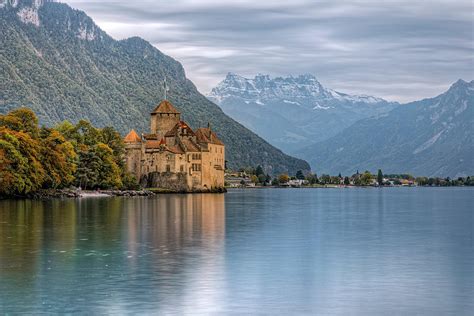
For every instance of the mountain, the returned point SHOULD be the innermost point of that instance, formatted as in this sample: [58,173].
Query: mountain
[432,137]
[57,61]
[292,112]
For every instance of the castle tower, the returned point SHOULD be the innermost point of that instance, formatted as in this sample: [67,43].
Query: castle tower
[163,118]
[133,151]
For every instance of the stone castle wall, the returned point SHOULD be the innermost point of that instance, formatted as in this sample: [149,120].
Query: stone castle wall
[172,181]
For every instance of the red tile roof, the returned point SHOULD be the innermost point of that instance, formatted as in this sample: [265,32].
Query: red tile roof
[190,145]
[177,127]
[206,135]
[154,144]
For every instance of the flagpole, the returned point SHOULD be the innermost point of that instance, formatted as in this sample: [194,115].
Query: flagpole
[166,87]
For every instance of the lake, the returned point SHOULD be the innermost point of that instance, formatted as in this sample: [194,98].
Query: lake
[266,251]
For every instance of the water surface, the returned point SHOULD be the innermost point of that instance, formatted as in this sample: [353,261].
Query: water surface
[272,251]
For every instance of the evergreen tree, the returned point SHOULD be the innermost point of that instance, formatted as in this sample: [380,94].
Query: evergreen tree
[259,171]
[380,177]
[299,175]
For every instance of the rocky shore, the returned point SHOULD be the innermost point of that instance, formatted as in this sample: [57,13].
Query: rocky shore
[76,193]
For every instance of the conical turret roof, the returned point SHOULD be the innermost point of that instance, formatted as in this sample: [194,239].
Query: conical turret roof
[132,137]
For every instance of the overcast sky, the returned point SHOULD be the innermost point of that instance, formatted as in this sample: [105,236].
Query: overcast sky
[401,50]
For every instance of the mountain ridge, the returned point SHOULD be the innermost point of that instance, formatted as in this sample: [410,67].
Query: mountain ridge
[431,137]
[306,111]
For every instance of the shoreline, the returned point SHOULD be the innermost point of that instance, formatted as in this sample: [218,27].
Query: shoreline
[84,194]
[348,187]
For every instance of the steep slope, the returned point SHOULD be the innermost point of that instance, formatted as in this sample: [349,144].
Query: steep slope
[292,112]
[58,62]
[432,137]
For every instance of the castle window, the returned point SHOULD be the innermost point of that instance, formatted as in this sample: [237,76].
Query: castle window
[181,168]
[168,168]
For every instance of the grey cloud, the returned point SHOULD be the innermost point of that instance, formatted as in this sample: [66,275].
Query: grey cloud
[395,49]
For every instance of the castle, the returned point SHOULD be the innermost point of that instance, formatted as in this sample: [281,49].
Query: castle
[173,156]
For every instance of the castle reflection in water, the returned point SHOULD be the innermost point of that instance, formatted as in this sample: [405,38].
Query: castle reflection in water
[144,243]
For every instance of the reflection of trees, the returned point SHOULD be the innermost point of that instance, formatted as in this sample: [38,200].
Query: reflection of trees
[21,226]
[68,248]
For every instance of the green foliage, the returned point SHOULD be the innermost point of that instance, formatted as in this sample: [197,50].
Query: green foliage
[347,181]
[259,171]
[325,179]
[366,178]
[263,179]
[21,170]
[312,178]
[283,178]
[32,158]
[129,182]
[380,177]
[300,175]
[58,159]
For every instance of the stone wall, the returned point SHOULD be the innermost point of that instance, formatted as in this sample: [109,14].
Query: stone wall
[169,180]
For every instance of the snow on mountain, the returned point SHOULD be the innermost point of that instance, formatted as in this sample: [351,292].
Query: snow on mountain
[281,88]
[305,110]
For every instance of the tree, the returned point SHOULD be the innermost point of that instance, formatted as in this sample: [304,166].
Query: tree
[347,181]
[109,171]
[268,178]
[254,179]
[58,159]
[259,171]
[32,158]
[299,175]
[283,178]
[326,179]
[422,181]
[335,180]
[380,177]
[366,178]
[20,169]
[21,120]
[312,178]
[130,182]
[87,170]
[262,179]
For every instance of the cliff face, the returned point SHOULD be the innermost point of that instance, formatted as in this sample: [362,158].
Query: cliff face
[57,61]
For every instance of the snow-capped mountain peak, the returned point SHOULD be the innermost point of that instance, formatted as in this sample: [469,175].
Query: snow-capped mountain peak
[299,89]
[292,111]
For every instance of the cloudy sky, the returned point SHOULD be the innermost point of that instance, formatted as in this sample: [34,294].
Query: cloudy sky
[401,50]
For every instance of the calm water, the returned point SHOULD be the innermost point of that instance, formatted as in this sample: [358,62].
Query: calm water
[295,251]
